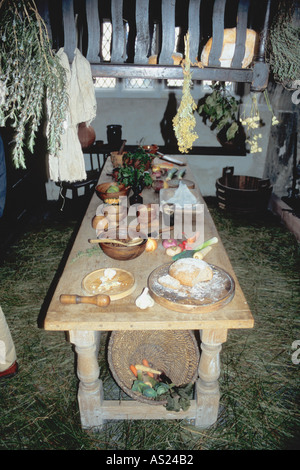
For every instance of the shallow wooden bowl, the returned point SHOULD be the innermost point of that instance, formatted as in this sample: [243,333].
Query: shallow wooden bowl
[101,191]
[120,252]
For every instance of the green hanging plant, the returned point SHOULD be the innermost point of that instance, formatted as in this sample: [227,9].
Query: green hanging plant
[284,45]
[30,74]
[221,110]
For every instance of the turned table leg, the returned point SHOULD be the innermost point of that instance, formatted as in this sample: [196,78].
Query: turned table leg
[90,392]
[207,386]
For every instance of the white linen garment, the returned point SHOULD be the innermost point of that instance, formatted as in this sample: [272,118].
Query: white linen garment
[7,347]
[69,165]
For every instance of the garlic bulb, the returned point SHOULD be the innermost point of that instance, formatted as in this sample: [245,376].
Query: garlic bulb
[144,300]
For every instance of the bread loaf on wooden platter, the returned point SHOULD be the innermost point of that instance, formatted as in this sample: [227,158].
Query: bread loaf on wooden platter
[190,271]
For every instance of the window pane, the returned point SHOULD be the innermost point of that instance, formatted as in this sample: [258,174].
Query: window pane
[104,82]
[106,40]
[138,83]
[174,82]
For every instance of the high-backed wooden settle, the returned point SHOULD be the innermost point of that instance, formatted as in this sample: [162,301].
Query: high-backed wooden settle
[73,23]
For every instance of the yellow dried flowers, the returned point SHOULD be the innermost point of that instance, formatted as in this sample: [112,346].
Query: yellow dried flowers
[184,122]
[253,122]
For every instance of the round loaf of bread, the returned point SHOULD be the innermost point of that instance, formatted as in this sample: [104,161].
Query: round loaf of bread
[190,271]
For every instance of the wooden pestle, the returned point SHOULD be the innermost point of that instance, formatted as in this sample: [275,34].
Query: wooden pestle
[122,147]
[101,300]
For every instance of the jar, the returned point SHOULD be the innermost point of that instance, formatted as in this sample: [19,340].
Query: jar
[86,135]
[114,136]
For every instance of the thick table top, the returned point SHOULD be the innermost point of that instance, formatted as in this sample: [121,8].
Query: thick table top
[123,314]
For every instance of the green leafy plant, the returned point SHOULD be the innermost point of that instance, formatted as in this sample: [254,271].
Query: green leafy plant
[284,45]
[30,76]
[178,398]
[221,109]
[131,176]
[139,159]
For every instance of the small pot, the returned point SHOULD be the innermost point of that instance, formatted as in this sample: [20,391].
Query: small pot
[151,148]
[86,135]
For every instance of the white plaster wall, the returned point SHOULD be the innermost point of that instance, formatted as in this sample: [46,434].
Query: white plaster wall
[140,119]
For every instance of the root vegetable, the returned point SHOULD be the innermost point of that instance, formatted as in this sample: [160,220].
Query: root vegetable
[151,244]
[146,363]
[143,368]
[200,254]
[169,242]
[173,250]
[133,370]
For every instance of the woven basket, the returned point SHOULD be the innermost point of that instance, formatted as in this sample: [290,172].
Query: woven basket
[175,353]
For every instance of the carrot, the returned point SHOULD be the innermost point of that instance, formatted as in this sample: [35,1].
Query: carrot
[146,363]
[133,370]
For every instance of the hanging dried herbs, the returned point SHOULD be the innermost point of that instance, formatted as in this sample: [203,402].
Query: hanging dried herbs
[184,122]
[29,72]
[284,45]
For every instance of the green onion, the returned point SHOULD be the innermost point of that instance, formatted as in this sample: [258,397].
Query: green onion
[190,253]
[211,241]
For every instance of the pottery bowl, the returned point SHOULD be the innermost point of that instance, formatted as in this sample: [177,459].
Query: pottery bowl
[120,252]
[157,185]
[111,197]
[151,148]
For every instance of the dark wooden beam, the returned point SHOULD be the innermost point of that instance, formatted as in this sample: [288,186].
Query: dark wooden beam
[162,72]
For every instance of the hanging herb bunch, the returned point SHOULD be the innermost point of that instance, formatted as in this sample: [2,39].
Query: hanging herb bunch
[184,122]
[253,122]
[30,73]
[221,109]
[284,45]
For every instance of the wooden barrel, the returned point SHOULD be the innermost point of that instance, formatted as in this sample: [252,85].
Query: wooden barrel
[242,194]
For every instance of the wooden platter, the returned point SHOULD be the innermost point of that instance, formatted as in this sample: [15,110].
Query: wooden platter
[120,286]
[206,297]
[175,183]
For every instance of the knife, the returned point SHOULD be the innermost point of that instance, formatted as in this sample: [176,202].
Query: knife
[170,159]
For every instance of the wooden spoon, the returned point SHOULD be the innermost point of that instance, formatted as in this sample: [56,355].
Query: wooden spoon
[122,147]
[133,242]
[101,300]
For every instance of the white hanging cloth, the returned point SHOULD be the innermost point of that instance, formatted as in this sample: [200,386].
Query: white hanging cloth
[69,165]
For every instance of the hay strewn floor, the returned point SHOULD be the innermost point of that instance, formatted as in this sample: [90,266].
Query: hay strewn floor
[259,382]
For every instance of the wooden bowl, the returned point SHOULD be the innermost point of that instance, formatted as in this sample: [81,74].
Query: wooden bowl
[101,191]
[120,252]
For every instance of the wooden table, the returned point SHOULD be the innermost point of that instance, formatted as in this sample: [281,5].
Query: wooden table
[85,323]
